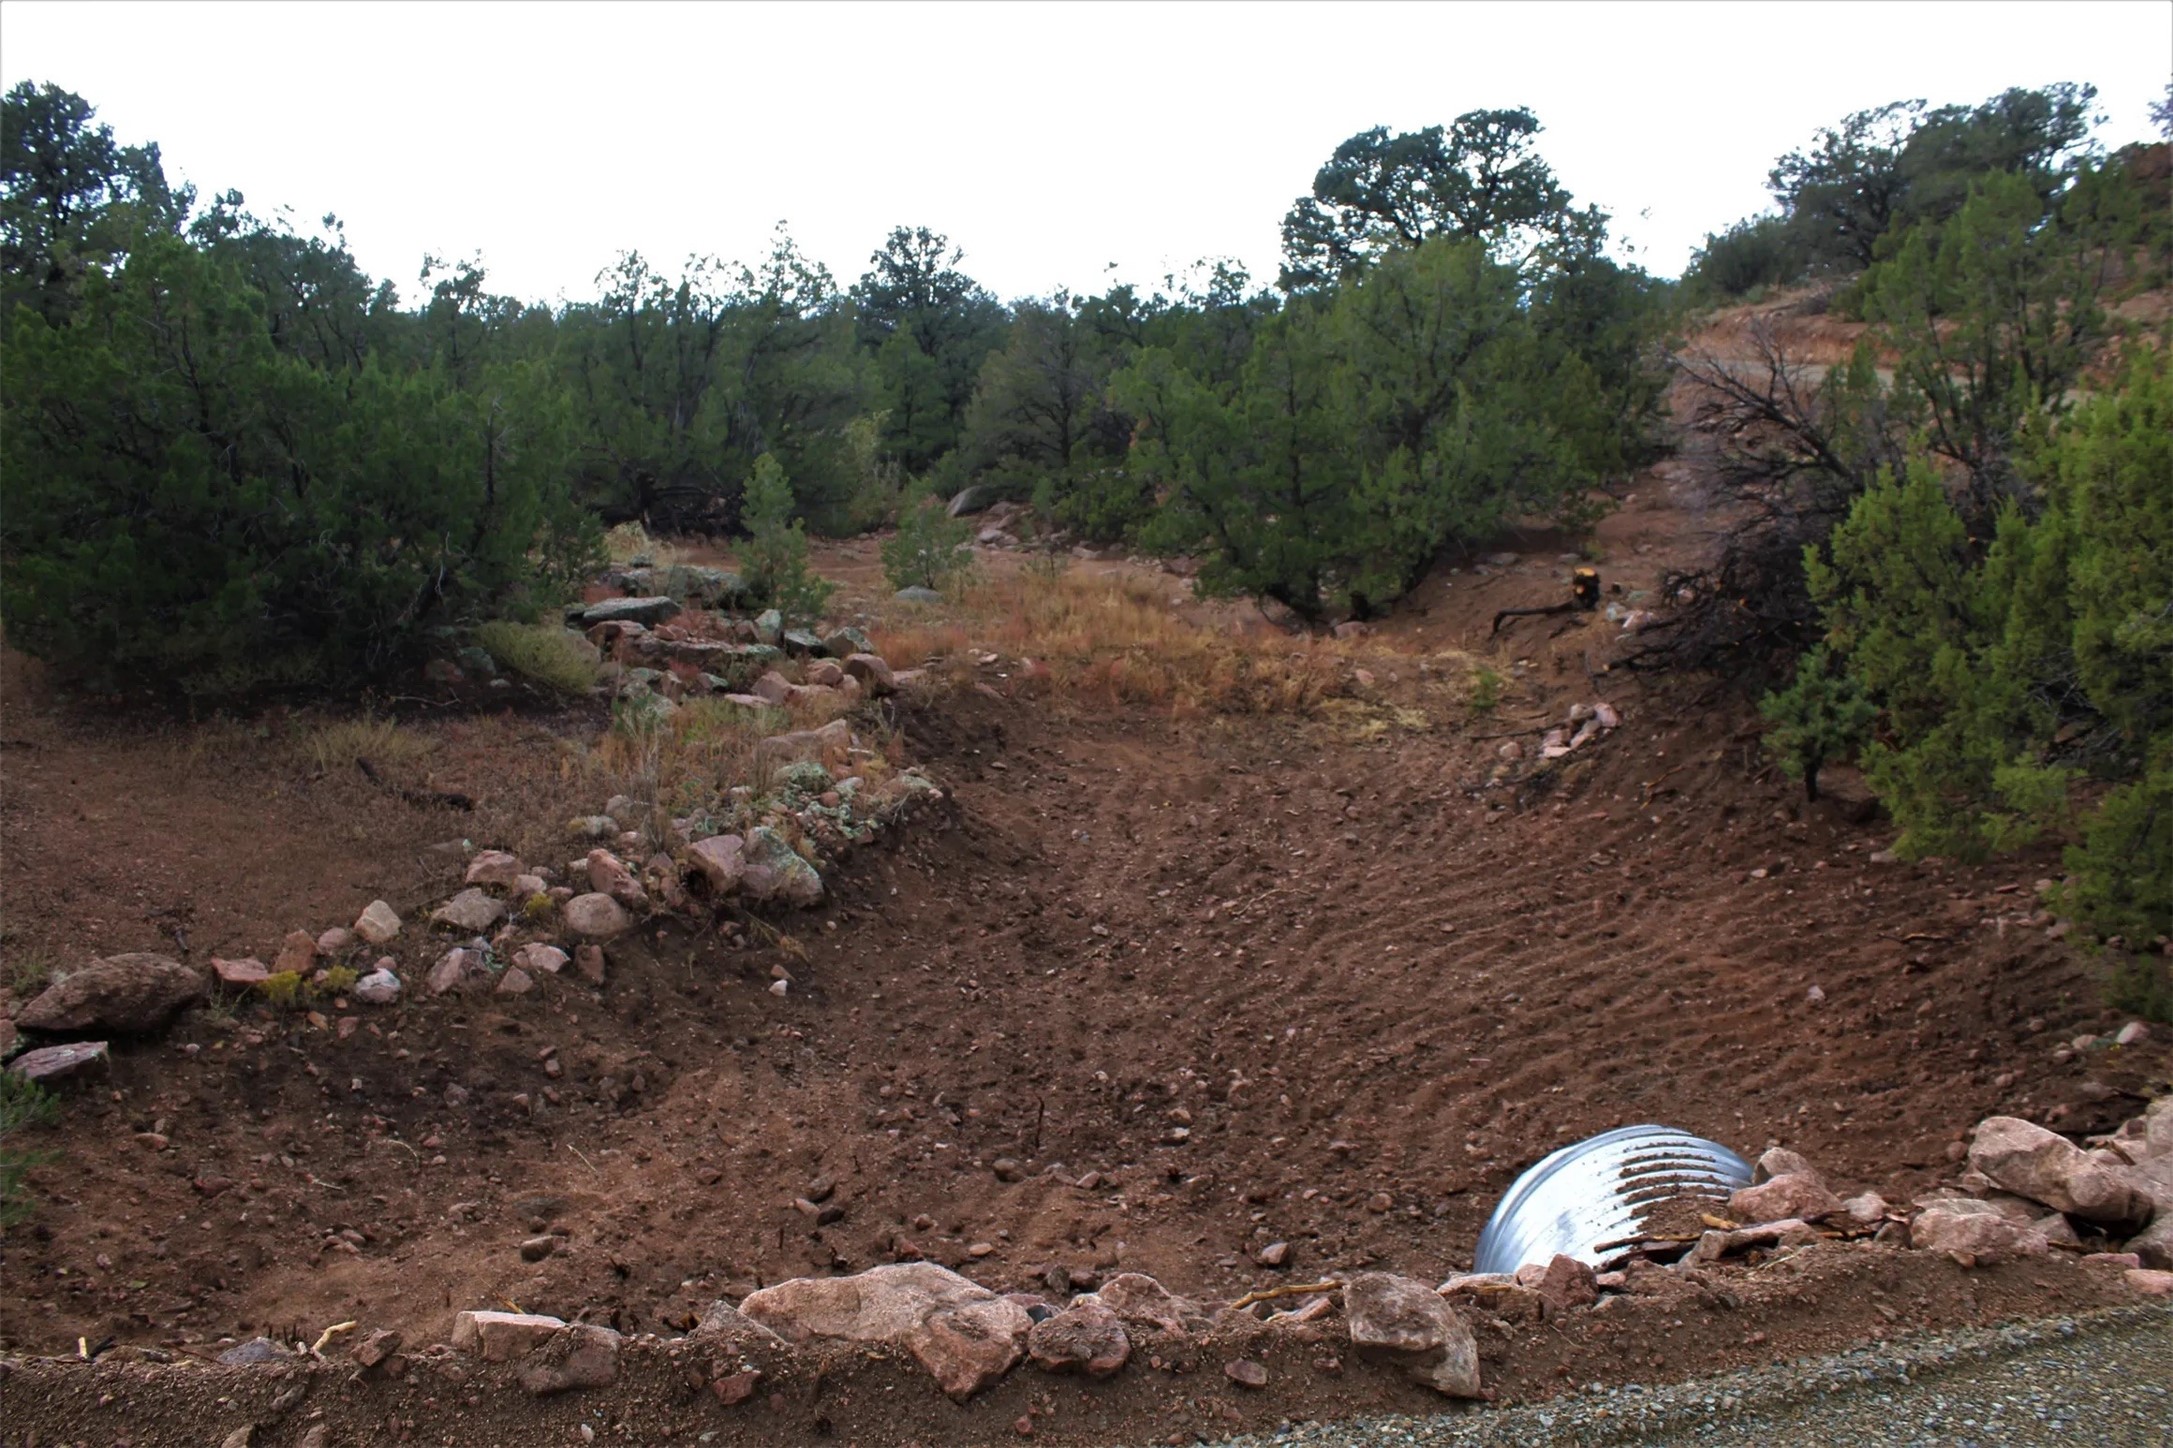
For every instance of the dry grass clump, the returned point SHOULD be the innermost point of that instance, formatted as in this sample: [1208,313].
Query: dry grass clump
[542,653]
[629,541]
[683,764]
[339,744]
[1116,641]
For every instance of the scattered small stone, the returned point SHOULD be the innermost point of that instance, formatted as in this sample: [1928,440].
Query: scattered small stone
[515,982]
[1274,1254]
[377,924]
[52,1063]
[582,1356]
[253,1353]
[495,868]
[240,974]
[1246,1373]
[1084,1337]
[540,959]
[535,1249]
[379,988]
[502,1336]
[471,912]
[297,954]
[597,916]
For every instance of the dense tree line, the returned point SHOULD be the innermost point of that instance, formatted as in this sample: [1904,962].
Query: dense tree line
[329,471]
[1959,540]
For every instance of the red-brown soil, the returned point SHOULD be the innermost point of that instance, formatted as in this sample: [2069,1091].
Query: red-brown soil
[1205,985]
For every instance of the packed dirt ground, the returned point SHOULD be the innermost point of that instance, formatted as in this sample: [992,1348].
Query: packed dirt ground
[1155,988]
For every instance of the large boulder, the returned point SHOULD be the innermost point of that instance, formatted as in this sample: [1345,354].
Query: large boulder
[130,995]
[645,611]
[2026,1159]
[773,870]
[2154,1248]
[1977,1230]
[1401,1320]
[965,1335]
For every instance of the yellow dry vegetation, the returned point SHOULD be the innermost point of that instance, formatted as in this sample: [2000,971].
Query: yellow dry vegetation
[338,744]
[1114,640]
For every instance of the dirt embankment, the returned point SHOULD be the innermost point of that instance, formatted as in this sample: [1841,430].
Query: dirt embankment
[1155,995]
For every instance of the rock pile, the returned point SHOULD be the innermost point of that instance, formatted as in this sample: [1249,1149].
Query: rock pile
[2026,1191]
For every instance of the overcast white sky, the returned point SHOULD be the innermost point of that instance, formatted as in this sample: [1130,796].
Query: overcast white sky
[1047,139]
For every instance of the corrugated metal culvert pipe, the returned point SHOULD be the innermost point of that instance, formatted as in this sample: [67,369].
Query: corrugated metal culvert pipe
[1597,1193]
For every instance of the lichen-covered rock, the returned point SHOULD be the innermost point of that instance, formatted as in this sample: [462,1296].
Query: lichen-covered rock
[773,870]
[648,612]
[133,994]
[830,746]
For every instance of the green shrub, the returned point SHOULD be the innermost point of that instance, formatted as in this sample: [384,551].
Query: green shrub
[23,1105]
[1823,715]
[191,504]
[2008,670]
[1749,256]
[930,547]
[775,554]
[545,654]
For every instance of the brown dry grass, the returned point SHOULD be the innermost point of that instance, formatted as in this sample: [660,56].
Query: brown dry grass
[1115,641]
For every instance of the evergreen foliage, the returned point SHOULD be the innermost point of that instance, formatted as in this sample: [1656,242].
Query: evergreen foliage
[930,548]
[775,554]
[2023,681]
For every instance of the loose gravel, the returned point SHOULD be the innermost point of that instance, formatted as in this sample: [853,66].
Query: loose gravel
[2105,1380]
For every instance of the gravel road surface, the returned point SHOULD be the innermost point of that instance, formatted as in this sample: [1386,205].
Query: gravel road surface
[2105,1381]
